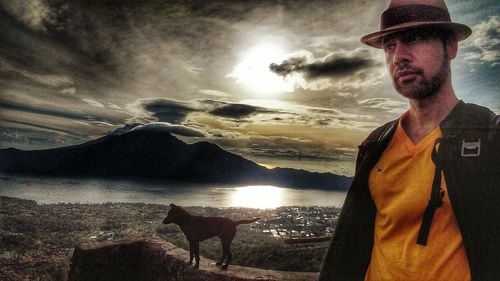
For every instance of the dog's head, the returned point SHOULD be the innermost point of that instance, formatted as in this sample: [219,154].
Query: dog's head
[174,215]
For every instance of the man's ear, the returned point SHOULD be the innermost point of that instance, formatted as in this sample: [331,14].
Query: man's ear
[452,48]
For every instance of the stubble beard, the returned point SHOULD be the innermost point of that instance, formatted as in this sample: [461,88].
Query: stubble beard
[425,88]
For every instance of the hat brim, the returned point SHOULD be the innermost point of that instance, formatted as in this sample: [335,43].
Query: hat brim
[461,31]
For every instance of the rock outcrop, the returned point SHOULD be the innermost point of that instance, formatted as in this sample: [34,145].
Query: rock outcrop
[153,259]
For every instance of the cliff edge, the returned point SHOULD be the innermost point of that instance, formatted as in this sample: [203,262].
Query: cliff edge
[148,259]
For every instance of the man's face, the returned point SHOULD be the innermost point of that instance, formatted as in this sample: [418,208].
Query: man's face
[417,61]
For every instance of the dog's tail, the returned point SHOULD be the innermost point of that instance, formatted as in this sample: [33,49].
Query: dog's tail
[246,221]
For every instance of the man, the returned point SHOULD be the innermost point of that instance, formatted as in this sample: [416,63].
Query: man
[425,200]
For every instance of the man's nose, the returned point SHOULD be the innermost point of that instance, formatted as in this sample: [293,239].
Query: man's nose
[401,53]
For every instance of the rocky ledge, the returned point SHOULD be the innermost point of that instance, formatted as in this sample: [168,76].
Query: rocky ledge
[154,259]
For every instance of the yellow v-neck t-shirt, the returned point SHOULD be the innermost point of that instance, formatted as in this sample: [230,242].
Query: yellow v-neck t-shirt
[400,185]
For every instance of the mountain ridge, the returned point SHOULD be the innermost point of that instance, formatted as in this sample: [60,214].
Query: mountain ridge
[154,153]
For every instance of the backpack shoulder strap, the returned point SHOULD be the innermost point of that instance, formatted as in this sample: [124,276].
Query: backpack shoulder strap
[467,118]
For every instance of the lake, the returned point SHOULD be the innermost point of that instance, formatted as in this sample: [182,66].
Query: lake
[60,190]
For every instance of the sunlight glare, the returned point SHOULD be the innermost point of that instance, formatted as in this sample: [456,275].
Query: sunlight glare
[253,70]
[258,196]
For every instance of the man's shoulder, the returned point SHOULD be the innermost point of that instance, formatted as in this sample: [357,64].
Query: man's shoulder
[485,114]
[464,115]
[468,116]
[478,111]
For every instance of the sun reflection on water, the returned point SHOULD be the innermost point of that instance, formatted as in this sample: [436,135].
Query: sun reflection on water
[257,196]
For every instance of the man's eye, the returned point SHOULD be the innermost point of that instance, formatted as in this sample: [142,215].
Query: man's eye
[410,38]
[389,46]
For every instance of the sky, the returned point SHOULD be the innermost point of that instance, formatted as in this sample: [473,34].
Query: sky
[283,83]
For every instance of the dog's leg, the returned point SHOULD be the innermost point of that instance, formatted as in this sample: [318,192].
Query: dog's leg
[197,254]
[191,252]
[226,246]
[229,257]
[223,257]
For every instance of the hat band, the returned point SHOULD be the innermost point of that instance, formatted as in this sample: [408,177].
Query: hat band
[412,13]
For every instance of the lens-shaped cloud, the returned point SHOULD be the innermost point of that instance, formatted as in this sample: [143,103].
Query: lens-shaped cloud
[174,129]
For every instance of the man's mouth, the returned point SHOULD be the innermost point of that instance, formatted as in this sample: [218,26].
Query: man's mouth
[405,75]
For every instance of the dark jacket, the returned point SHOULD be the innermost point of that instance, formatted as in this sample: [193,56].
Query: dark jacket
[473,184]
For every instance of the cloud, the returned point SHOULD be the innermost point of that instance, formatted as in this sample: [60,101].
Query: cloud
[289,148]
[68,91]
[335,64]
[159,109]
[385,104]
[171,128]
[484,44]
[237,111]
[114,106]
[11,105]
[49,80]
[93,102]
[41,126]
[335,42]
[191,68]
[32,13]
[14,70]
[40,137]
[214,93]
[339,113]
[265,113]
[342,70]
[148,61]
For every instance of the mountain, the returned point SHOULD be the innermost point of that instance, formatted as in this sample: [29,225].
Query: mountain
[153,153]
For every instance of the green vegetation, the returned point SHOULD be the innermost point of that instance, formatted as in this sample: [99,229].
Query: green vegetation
[37,241]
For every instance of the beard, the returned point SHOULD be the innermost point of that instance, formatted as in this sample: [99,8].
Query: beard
[426,87]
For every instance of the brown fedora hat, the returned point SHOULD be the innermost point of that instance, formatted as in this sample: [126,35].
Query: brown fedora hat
[406,14]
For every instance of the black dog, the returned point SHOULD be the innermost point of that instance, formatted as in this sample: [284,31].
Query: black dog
[197,228]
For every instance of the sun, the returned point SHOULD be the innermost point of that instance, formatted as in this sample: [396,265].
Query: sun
[253,70]
[258,196]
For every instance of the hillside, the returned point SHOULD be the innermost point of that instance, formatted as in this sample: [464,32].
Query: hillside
[153,153]
[37,241]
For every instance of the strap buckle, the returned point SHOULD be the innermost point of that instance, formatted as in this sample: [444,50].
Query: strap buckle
[471,148]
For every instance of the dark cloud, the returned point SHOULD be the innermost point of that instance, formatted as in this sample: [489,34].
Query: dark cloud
[173,129]
[33,14]
[332,66]
[236,111]
[51,112]
[166,110]
[288,66]
[338,67]
[175,112]
[47,62]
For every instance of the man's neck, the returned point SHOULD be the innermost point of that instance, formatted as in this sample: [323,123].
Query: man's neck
[426,115]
